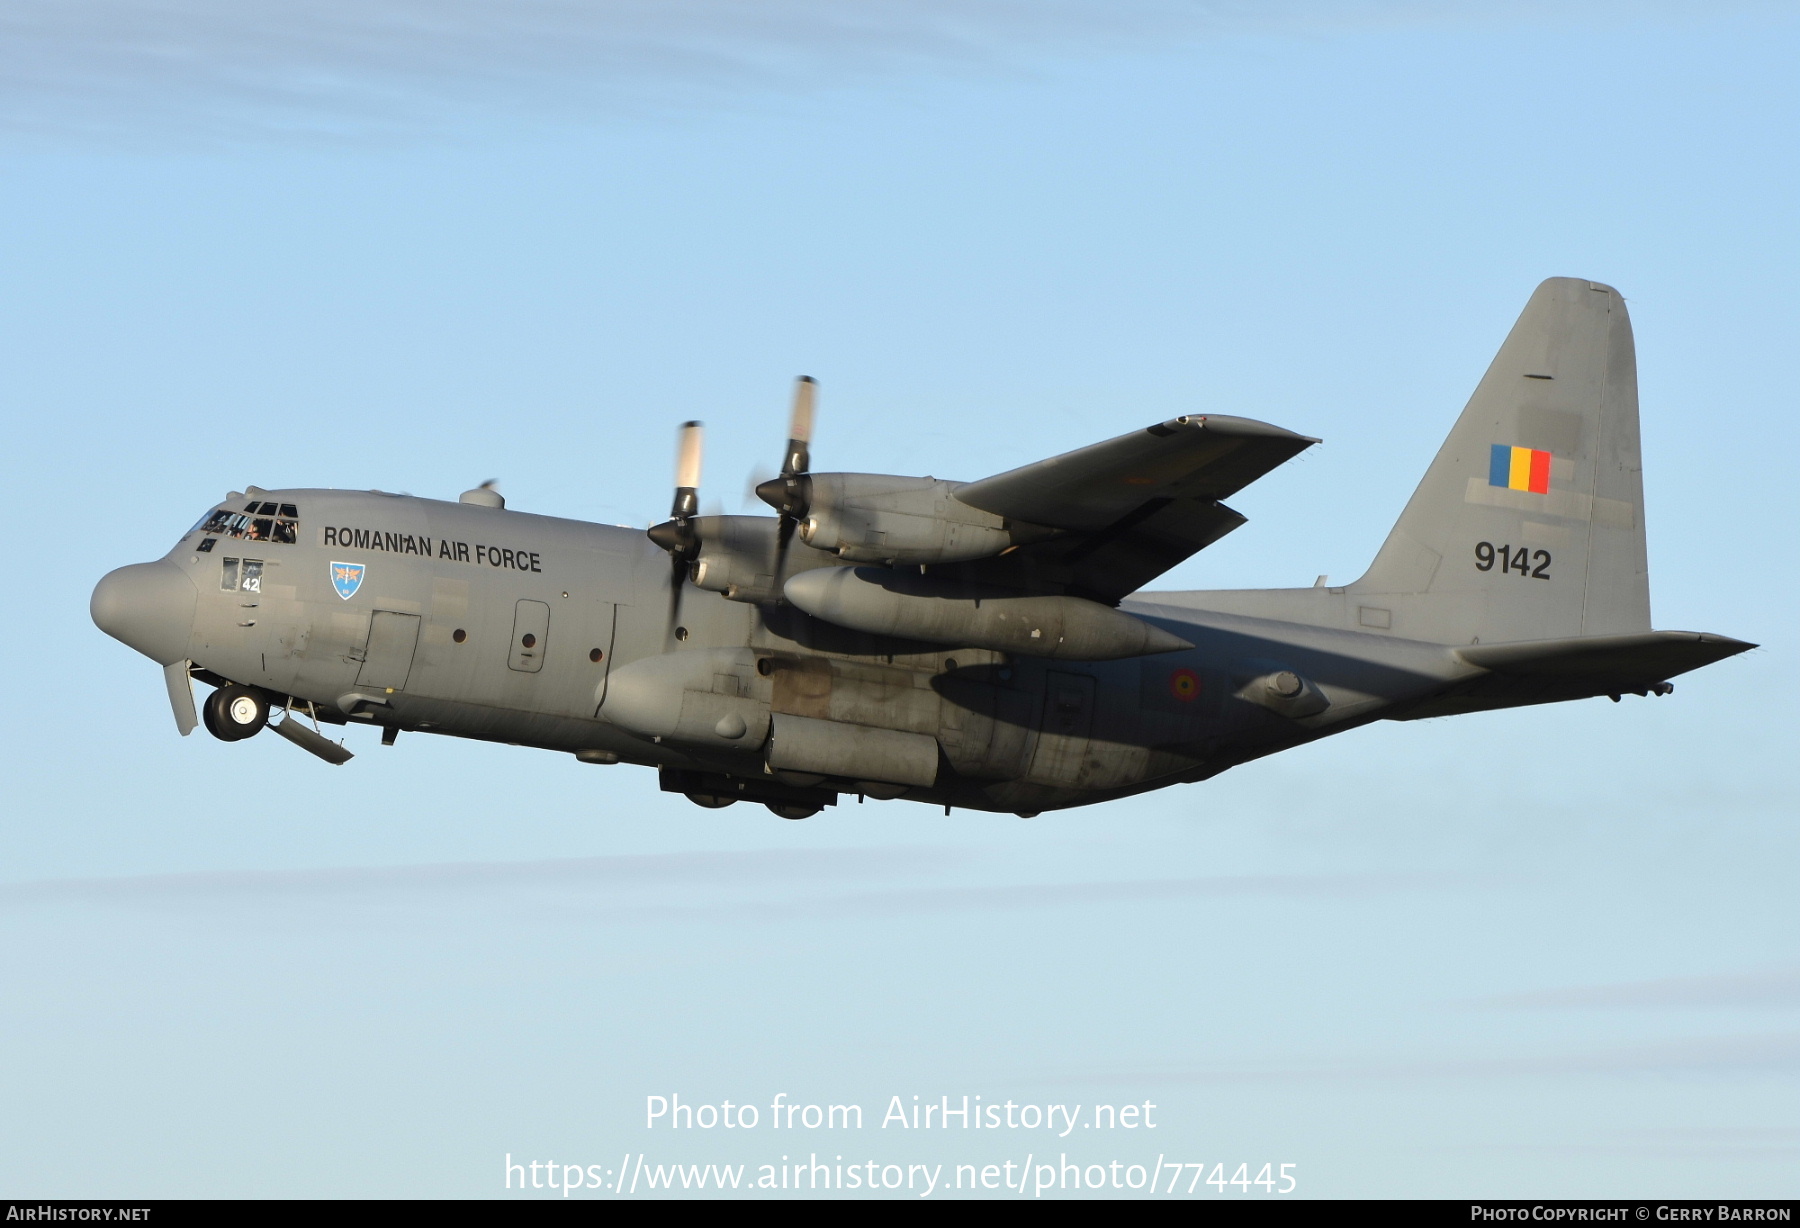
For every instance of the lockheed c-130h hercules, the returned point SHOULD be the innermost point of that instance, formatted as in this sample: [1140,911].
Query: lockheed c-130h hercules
[980,644]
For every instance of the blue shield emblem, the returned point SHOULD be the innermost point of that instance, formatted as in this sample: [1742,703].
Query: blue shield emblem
[346,578]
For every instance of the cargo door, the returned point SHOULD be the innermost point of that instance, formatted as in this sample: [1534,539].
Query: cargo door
[1064,730]
[530,637]
[388,656]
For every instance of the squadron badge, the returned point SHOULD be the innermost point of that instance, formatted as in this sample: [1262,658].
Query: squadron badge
[346,578]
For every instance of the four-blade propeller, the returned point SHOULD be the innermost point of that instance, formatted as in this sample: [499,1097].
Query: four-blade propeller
[676,534]
[789,493]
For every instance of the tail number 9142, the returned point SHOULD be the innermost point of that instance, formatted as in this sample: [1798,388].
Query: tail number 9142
[1535,563]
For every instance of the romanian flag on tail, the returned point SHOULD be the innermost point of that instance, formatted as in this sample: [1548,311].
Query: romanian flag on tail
[1519,469]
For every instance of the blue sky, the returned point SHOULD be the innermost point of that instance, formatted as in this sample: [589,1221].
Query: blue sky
[415,246]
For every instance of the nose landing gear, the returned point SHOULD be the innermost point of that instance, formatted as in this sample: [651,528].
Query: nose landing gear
[233,713]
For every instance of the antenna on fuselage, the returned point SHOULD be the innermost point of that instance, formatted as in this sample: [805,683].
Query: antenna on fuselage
[484,495]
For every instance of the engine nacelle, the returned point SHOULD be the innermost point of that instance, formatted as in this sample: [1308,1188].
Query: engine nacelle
[870,517]
[739,557]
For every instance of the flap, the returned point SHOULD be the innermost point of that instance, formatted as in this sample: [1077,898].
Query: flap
[1110,563]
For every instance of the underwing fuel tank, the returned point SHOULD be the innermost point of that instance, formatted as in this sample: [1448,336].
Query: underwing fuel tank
[883,602]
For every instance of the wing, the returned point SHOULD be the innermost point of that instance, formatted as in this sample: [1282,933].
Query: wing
[1131,508]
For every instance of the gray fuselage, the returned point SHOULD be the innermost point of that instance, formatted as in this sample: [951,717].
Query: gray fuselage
[431,637]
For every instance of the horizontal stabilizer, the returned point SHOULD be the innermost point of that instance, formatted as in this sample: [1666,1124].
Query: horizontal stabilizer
[1579,667]
[1630,661]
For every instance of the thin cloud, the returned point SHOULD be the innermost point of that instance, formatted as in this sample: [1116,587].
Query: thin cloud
[1064,895]
[763,886]
[459,880]
[1756,1054]
[343,69]
[333,67]
[1771,988]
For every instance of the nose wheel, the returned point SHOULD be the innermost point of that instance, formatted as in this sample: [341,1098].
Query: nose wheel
[233,713]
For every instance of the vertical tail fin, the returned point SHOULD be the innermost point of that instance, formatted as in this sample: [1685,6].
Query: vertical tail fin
[1530,522]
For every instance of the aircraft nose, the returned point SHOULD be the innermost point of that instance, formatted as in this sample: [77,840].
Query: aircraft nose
[149,607]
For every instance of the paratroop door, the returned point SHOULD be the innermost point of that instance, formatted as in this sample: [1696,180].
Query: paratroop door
[531,636]
[388,657]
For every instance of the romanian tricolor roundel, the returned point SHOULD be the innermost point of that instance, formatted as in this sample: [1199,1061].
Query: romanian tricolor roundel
[1519,469]
[1184,684]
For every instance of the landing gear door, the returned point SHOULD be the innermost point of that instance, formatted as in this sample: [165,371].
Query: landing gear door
[388,657]
[1063,734]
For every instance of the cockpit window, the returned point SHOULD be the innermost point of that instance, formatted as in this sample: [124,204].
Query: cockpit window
[259,522]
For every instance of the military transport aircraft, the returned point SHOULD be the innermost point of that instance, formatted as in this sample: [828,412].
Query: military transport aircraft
[980,644]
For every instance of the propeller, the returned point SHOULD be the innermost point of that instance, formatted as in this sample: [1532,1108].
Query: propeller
[676,534]
[790,492]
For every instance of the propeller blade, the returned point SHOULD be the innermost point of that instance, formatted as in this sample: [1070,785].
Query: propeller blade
[678,574]
[687,471]
[676,534]
[800,427]
[789,492]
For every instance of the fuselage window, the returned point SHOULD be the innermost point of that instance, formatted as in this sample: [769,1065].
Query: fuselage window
[240,575]
[258,522]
